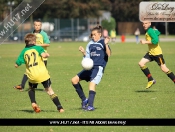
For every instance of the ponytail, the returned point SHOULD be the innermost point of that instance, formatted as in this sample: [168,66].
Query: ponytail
[98,28]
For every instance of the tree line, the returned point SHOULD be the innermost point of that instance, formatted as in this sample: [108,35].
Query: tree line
[121,10]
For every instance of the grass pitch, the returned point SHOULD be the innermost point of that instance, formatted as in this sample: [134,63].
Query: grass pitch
[120,94]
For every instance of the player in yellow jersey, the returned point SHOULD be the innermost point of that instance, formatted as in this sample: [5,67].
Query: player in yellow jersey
[154,54]
[36,71]
[41,37]
[41,40]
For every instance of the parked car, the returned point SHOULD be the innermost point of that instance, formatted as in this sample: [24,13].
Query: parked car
[65,33]
[84,37]
[19,36]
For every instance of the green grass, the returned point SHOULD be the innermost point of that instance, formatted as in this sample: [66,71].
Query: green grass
[143,36]
[120,94]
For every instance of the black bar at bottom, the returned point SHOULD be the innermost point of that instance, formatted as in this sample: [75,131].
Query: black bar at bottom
[86,122]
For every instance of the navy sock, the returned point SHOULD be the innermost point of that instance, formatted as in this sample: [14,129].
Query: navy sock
[24,80]
[79,91]
[91,98]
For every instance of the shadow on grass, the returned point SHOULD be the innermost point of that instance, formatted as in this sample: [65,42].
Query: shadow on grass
[40,89]
[145,91]
[27,111]
[36,89]
[31,111]
[82,109]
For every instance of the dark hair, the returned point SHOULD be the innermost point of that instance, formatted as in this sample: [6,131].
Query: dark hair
[37,20]
[99,29]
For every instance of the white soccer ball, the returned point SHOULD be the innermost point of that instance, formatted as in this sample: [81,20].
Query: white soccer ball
[87,63]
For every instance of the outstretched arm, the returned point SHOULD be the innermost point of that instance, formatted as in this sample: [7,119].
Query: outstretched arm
[82,50]
[16,66]
[145,42]
[108,51]
[154,34]
[45,55]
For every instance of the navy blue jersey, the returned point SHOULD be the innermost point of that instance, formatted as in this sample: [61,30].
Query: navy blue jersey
[97,52]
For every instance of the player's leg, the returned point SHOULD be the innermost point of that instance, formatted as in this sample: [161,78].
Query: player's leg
[23,82]
[91,97]
[161,62]
[45,62]
[169,73]
[53,96]
[137,39]
[145,70]
[31,94]
[75,82]
[96,76]
[115,39]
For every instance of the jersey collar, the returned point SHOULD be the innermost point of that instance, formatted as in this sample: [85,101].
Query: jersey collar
[148,29]
[97,41]
[29,45]
[35,31]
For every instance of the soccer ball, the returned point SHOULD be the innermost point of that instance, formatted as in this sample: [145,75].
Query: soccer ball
[87,63]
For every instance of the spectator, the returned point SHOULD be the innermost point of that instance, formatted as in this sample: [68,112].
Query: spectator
[113,35]
[137,33]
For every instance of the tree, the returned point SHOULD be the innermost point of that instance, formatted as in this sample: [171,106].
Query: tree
[63,8]
[72,8]
[125,10]
[109,24]
[4,8]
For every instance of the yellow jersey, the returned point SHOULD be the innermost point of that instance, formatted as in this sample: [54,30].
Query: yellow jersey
[153,36]
[42,38]
[35,68]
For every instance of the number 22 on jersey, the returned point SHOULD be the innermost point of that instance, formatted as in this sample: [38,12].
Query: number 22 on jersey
[31,58]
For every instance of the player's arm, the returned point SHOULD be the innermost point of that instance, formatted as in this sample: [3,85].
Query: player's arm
[154,37]
[145,42]
[106,41]
[42,52]
[43,45]
[46,41]
[45,55]
[82,50]
[20,60]
[86,53]
[16,65]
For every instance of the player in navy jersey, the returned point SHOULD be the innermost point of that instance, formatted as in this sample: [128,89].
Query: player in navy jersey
[99,51]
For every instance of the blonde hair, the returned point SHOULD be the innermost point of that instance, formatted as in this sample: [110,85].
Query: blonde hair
[30,38]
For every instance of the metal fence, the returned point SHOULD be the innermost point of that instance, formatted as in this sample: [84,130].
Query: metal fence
[67,29]
[57,29]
